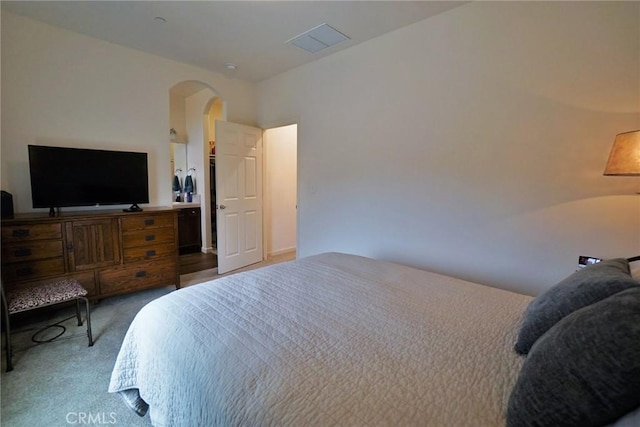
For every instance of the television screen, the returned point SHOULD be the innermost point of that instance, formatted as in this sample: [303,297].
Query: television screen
[84,177]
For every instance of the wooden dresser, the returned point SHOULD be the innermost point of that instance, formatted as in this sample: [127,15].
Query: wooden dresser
[109,252]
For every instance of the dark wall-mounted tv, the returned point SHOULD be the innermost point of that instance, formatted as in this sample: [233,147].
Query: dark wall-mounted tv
[63,177]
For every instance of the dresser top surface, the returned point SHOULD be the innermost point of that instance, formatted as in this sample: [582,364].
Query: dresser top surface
[44,216]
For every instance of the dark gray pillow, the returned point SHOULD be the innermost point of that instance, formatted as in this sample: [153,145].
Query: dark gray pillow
[586,286]
[585,371]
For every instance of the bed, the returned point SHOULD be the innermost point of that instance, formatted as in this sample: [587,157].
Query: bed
[331,339]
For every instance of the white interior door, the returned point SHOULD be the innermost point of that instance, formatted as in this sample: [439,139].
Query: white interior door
[238,195]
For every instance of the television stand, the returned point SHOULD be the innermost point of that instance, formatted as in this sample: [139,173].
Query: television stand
[54,211]
[134,208]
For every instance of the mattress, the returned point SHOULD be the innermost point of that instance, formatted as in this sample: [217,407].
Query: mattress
[331,339]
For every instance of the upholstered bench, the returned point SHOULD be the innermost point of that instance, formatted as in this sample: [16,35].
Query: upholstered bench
[24,299]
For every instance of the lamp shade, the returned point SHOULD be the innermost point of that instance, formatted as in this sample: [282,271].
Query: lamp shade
[624,158]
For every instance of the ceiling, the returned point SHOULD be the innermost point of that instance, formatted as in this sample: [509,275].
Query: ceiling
[209,34]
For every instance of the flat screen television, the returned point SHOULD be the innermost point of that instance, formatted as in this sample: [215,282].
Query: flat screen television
[63,177]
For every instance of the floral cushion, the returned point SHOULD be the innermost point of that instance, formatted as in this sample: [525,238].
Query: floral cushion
[50,293]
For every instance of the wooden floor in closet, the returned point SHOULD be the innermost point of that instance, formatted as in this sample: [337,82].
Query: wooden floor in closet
[190,263]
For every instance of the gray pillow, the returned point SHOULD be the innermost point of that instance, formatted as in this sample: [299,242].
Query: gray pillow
[585,371]
[586,286]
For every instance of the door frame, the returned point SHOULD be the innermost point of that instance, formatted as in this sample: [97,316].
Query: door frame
[265,169]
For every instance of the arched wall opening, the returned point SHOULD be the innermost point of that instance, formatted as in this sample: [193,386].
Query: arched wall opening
[193,108]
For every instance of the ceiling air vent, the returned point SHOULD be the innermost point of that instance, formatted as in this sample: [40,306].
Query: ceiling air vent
[318,38]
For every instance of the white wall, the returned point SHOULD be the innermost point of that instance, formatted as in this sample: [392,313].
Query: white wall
[62,88]
[177,119]
[471,143]
[197,114]
[280,187]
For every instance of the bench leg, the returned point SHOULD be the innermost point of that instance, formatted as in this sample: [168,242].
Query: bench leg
[78,316]
[89,335]
[9,349]
[7,331]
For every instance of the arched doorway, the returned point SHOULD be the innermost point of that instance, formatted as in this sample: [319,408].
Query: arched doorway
[193,108]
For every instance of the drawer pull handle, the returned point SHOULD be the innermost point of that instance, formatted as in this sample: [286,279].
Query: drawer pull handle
[141,273]
[152,252]
[22,252]
[149,221]
[149,238]
[21,232]
[27,271]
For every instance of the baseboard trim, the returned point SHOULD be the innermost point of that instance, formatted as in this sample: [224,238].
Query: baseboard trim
[281,252]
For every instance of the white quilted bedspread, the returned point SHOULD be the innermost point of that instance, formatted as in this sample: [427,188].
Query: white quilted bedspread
[328,340]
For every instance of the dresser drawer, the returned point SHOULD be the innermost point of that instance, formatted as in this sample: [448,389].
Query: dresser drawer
[137,276]
[33,269]
[149,252]
[142,222]
[32,250]
[20,233]
[148,237]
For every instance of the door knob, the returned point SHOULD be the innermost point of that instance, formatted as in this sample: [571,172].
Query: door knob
[222,207]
